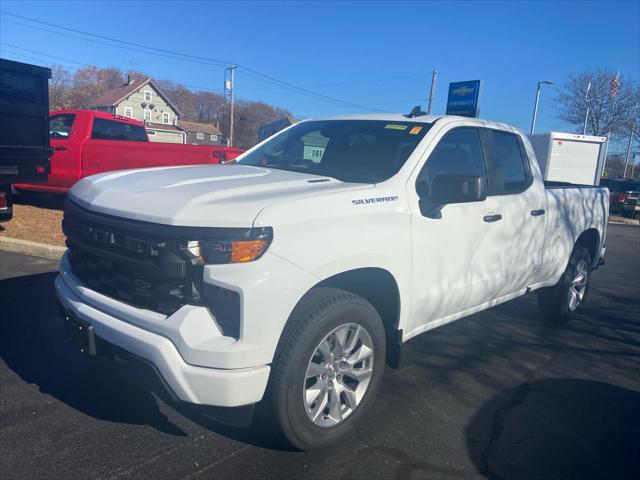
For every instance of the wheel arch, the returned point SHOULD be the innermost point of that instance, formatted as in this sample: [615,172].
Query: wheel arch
[590,239]
[380,288]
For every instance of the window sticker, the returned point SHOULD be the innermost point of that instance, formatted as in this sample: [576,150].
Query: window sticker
[415,130]
[395,126]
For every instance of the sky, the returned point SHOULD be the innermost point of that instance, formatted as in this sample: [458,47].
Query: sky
[370,54]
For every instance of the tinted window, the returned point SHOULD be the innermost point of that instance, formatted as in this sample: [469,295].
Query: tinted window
[104,129]
[619,185]
[506,168]
[60,125]
[459,152]
[364,151]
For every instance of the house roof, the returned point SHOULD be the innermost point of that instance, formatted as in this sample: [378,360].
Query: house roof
[116,95]
[195,127]
[162,126]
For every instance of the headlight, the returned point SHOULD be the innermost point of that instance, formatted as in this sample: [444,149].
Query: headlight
[232,250]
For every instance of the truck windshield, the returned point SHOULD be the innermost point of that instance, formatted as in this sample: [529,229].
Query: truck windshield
[361,151]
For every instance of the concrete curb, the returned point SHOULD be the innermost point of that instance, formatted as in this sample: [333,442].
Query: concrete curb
[623,221]
[8,244]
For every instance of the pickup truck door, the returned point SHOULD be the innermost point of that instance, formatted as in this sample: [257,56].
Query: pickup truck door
[457,258]
[516,183]
[67,148]
[114,145]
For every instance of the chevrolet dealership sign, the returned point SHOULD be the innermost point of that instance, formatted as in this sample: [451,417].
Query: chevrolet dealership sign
[464,98]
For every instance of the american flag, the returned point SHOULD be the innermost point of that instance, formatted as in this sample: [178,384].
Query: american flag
[615,85]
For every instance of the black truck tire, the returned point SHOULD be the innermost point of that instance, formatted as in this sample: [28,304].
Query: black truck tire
[323,325]
[566,298]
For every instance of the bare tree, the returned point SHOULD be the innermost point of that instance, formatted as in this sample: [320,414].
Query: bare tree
[59,87]
[87,83]
[609,111]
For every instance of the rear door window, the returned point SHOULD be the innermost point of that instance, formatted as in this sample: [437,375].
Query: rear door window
[104,129]
[507,164]
[60,126]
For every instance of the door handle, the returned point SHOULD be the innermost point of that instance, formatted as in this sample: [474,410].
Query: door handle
[538,212]
[492,218]
[60,148]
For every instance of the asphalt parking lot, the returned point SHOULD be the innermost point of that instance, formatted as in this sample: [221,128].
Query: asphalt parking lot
[497,395]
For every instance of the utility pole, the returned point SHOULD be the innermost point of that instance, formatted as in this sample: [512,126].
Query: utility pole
[434,76]
[633,129]
[586,117]
[230,86]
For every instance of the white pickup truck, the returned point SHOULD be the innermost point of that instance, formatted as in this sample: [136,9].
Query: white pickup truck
[294,275]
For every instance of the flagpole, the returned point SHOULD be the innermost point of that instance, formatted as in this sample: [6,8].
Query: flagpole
[615,82]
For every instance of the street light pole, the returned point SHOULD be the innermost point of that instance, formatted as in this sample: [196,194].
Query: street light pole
[633,130]
[586,116]
[231,87]
[535,105]
[434,75]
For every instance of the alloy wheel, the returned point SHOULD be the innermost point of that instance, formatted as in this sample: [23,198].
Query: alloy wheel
[338,375]
[578,285]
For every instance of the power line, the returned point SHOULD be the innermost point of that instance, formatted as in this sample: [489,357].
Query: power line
[354,82]
[268,78]
[116,40]
[173,54]
[45,54]
[104,43]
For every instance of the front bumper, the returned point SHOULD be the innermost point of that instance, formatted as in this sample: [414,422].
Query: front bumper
[190,383]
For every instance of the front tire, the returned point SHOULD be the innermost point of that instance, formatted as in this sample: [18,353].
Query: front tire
[562,301]
[328,368]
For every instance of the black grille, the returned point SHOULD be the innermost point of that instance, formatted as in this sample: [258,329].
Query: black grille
[146,264]
[137,268]
[136,286]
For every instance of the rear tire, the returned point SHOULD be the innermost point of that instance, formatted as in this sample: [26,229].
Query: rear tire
[562,301]
[327,369]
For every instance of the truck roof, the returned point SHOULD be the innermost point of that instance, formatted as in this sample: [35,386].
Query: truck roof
[387,117]
[99,114]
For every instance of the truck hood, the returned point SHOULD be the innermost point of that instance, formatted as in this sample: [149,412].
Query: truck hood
[203,195]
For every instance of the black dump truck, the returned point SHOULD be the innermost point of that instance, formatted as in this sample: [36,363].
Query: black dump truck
[24,128]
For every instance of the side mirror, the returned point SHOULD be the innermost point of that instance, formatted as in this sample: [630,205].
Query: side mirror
[449,188]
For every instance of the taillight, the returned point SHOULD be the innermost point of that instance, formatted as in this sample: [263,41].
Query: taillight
[622,197]
[3,200]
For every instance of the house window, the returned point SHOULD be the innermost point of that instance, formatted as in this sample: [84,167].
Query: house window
[148,94]
[165,118]
[214,138]
[200,136]
[128,112]
[147,115]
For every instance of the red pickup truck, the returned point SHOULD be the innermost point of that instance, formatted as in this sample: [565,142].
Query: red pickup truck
[86,142]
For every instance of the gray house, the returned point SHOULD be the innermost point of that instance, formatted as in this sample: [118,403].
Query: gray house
[201,133]
[141,99]
[265,131]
